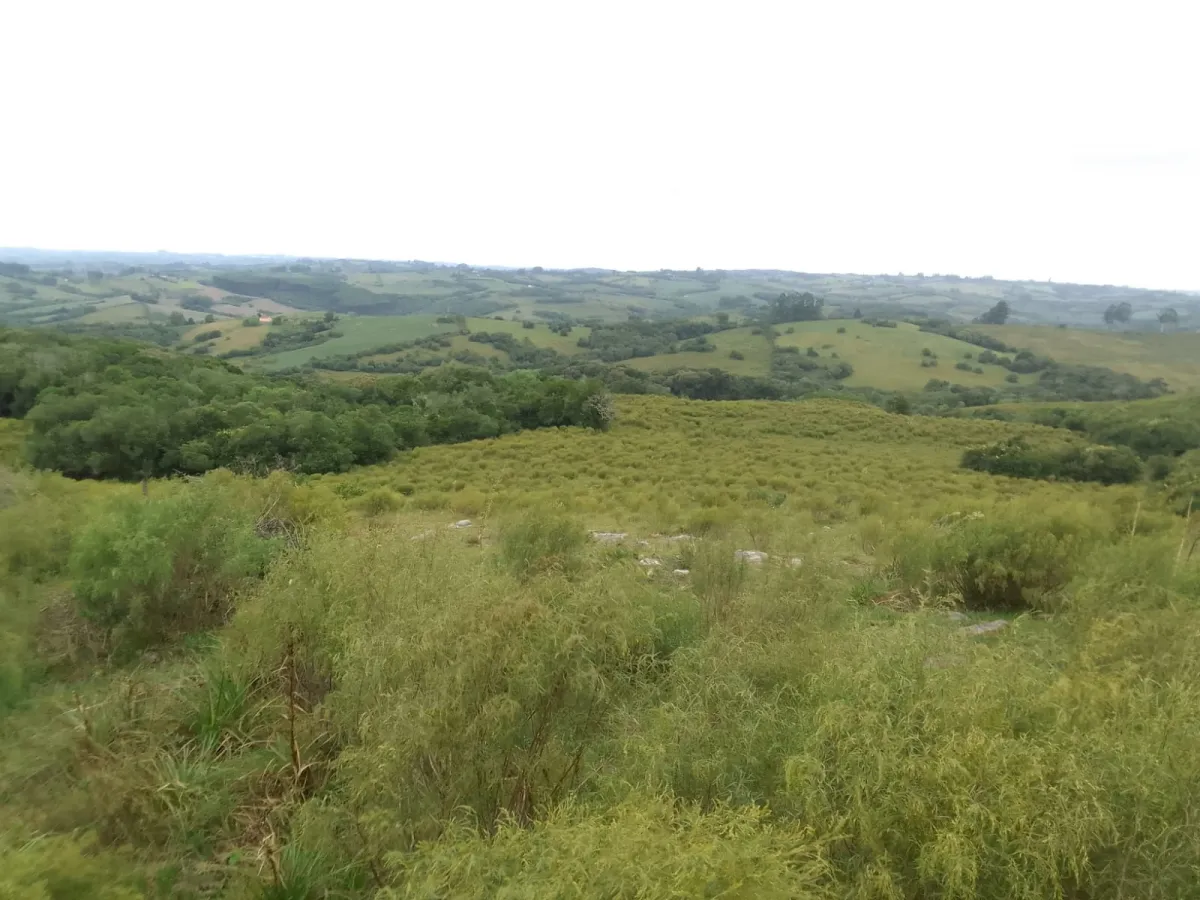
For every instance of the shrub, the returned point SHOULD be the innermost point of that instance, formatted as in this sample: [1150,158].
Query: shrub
[736,354]
[1013,558]
[1016,458]
[540,544]
[60,867]
[841,329]
[146,570]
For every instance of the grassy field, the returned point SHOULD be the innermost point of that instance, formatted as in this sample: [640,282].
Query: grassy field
[753,347]
[540,335]
[325,690]
[890,357]
[1172,357]
[367,332]
[358,333]
[674,465]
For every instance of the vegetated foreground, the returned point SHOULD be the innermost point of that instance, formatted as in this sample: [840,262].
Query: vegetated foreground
[427,679]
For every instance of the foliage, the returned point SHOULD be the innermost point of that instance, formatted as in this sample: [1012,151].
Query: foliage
[997,315]
[111,410]
[149,569]
[1016,458]
[534,546]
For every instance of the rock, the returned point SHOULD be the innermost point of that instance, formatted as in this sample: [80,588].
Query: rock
[649,562]
[643,543]
[985,627]
[754,557]
[609,537]
[681,572]
[681,537]
[422,536]
[955,616]
[462,523]
[796,562]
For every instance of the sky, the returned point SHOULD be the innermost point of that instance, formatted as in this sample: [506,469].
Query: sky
[1045,140]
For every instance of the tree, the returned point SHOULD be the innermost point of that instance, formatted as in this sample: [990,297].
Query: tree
[997,315]
[795,307]
[1118,313]
[1167,317]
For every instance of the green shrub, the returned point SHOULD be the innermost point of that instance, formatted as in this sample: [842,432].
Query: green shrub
[1011,558]
[1016,458]
[148,569]
[651,847]
[539,544]
[64,868]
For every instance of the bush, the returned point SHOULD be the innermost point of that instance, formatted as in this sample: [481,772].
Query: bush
[1013,558]
[1016,458]
[538,545]
[145,570]
[736,354]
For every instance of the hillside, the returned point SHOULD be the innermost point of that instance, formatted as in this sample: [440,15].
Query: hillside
[1174,357]
[351,683]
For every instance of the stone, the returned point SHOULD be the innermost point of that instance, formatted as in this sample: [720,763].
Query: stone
[462,523]
[649,562]
[985,627]
[681,572]
[609,537]
[955,616]
[754,557]
[681,537]
[422,536]
[796,562]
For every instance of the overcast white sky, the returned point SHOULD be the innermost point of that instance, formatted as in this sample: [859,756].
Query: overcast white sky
[1047,139]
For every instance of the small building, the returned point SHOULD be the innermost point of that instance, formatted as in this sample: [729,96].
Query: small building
[264,318]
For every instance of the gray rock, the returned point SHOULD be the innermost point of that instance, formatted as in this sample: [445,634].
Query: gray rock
[985,627]
[754,557]
[649,562]
[422,536]
[955,616]
[681,537]
[462,523]
[681,572]
[609,537]
[796,562]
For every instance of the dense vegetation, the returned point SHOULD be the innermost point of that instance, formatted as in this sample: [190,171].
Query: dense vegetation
[306,687]
[116,410]
[1016,458]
